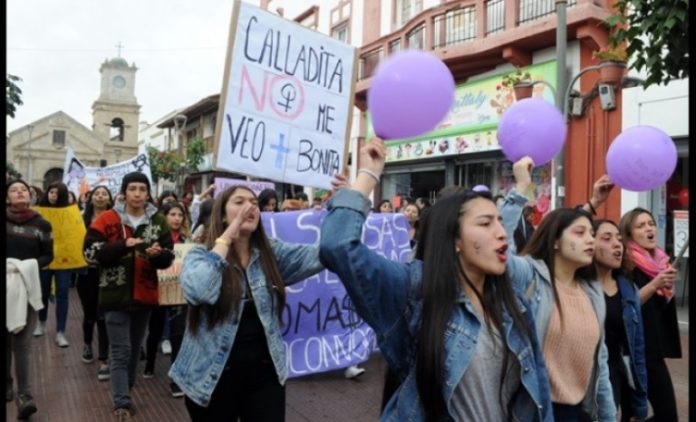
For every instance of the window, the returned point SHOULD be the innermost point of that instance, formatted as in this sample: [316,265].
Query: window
[209,125]
[116,132]
[340,32]
[59,138]
[406,9]
[309,18]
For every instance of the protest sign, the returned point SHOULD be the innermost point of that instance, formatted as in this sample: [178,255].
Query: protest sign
[80,178]
[287,100]
[222,183]
[681,231]
[321,329]
[170,292]
[68,230]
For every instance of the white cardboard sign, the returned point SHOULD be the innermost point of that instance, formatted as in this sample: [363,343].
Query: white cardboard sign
[681,231]
[287,101]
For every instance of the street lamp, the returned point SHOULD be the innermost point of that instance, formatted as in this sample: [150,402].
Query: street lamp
[30,175]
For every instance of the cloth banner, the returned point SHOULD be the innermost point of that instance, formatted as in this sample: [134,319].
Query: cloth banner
[80,178]
[68,229]
[321,330]
[222,183]
[170,292]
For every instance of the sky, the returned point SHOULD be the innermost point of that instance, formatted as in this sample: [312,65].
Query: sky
[57,47]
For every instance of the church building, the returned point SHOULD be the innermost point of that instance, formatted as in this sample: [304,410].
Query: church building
[38,149]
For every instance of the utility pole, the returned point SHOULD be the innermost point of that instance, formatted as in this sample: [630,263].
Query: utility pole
[561,73]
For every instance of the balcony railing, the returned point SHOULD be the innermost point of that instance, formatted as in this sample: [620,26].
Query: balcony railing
[531,10]
[454,27]
[454,23]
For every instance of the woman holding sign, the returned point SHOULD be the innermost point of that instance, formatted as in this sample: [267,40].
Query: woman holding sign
[232,361]
[651,271]
[460,340]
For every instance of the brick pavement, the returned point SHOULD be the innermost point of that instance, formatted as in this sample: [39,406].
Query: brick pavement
[66,389]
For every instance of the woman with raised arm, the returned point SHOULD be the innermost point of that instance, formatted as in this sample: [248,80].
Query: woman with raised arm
[232,361]
[461,342]
[653,274]
[623,325]
[556,274]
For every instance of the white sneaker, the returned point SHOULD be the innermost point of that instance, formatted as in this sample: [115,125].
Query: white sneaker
[166,347]
[354,371]
[40,329]
[61,341]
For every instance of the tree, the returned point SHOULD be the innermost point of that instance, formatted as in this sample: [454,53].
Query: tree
[163,164]
[656,33]
[12,171]
[195,150]
[13,94]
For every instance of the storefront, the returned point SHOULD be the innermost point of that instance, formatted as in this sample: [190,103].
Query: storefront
[463,150]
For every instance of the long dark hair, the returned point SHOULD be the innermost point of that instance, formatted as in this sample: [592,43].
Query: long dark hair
[62,200]
[230,291]
[88,213]
[184,230]
[265,197]
[442,271]
[204,211]
[166,194]
[541,245]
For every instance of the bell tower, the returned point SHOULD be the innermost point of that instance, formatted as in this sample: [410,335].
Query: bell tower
[115,114]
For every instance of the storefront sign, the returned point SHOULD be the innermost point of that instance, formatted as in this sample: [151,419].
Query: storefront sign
[681,231]
[471,124]
[287,100]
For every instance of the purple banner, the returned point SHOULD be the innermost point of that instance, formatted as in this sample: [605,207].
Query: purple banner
[321,329]
[222,183]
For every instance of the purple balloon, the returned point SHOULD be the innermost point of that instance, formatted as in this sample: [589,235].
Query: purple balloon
[532,127]
[411,92]
[641,158]
[481,188]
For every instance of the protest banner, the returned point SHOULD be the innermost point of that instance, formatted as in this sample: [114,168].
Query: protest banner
[68,230]
[80,178]
[681,231]
[321,329]
[287,100]
[170,292]
[222,183]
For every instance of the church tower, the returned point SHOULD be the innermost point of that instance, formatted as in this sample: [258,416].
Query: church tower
[115,114]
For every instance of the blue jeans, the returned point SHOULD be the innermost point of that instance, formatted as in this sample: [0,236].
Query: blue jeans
[126,330]
[62,289]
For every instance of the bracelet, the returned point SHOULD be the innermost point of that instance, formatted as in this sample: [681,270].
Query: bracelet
[221,241]
[594,211]
[370,173]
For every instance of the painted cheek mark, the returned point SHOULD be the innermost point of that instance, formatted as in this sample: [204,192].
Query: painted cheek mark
[477,247]
[572,246]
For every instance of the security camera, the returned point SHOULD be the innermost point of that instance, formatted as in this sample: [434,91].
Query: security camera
[606,96]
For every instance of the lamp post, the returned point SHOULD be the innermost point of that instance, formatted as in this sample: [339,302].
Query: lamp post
[561,41]
[30,176]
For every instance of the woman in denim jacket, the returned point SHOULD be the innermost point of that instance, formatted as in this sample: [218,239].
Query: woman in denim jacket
[449,325]
[624,325]
[556,274]
[232,360]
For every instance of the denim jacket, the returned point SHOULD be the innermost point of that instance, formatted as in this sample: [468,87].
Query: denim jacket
[202,358]
[633,326]
[531,277]
[387,295]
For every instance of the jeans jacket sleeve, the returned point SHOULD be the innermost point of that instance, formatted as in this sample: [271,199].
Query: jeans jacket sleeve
[605,395]
[377,286]
[519,270]
[296,262]
[201,276]
[639,397]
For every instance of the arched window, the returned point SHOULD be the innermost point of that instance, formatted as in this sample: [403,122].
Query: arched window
[116,133]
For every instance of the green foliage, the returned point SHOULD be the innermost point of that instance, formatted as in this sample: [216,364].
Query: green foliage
[164,164]
[511,79]
[656,33]
[12,171]
[613,53]
[13,94]
[195,150]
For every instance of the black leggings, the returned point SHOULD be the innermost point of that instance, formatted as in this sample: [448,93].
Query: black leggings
[155,329]
[623,393]
[88,291]
[661,393]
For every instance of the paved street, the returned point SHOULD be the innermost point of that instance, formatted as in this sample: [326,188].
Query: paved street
[67,389]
